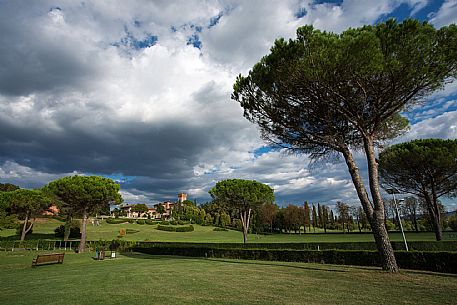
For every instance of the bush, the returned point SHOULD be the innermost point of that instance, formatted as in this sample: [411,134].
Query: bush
[150,222]
[164,222]
[75,231]
[189,228]
[131,220]
[431,261]
[220,229]
[175,229]
[115,221]
[166,228]
[140,221]
[174,222]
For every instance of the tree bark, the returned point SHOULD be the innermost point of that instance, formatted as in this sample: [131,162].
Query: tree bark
[435,215]
[24,227]
[375,216]
[245,217]
[66,234]
[82,244]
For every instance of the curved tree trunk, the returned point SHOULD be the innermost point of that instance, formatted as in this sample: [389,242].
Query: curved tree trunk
[82,244]
[374,215]
[24,227]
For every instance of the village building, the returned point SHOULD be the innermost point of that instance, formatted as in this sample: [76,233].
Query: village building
[152,211]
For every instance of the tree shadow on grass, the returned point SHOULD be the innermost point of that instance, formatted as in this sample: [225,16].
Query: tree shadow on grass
[245,262]
[33,236]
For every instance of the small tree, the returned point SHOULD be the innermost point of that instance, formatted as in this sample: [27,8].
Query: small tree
[268,213]
[307,216]
[244,195]
[26,204]
[343,211]
[160,209]
[426,168]
[85,195]
[314,220]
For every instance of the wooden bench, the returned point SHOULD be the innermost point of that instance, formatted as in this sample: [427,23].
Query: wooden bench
[53,258]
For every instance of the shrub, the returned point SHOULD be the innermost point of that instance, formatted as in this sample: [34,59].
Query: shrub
[75,231]
[166,228]
[164,222]
[150,222]
[173,222]
[189,228]
[431,261]
[220,229]
[115,221]
[131,220]
[140,221]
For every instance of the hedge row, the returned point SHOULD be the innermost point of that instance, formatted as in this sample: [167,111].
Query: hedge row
[175,229]
[418,260]
[398,246]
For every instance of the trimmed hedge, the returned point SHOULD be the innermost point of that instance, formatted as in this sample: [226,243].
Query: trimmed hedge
[398,246]
[418,260]
[140,221]
[220,229]
[150,222]
[175,229]
[115,221]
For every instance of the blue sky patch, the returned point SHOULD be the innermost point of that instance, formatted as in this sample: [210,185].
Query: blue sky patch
[300,13]
[215,20]
[130,41]
[195,41]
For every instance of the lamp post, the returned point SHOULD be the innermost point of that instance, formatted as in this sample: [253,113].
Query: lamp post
[393,192]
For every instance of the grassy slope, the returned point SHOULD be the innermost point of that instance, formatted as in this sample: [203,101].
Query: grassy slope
[45,227]
[142,279]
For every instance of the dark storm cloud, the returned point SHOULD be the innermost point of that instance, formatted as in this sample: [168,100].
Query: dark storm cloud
[33,54]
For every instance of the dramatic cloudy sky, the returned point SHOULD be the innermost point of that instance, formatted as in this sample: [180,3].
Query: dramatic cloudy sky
[139,91]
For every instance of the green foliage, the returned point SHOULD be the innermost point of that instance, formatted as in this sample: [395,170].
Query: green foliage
[242,193]
[20,227]
[428,162]
[8,221]
[430,261]
[150,222]
[85,194]
[452,222]
[426,168]
[140,221]
[220,229]
[131,220]
[8,187]
[75,230]
[189,228]
[28,202]
[115,220]
[165,222]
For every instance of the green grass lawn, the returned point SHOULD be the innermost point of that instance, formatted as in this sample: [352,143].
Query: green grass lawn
[44,229]
[141,279]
